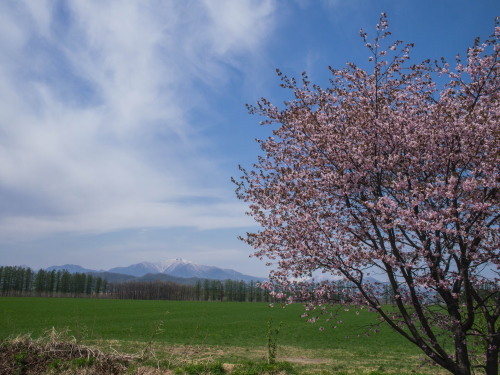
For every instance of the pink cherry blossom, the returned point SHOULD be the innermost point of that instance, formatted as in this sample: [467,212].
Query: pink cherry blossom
[387,171]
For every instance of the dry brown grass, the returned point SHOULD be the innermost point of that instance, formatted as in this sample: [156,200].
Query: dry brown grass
[308,361]
[57,353]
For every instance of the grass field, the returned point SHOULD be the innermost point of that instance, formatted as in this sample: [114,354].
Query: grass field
[227,332]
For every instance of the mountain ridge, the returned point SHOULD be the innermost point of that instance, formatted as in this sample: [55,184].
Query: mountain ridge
[175,268]
[71,268]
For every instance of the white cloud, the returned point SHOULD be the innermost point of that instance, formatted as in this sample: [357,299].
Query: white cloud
[126,216]
[237,26]
[95,103]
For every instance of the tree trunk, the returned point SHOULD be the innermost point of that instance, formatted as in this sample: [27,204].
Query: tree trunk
[492,360]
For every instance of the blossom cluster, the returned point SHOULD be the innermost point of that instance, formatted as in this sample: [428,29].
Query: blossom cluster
[387,171]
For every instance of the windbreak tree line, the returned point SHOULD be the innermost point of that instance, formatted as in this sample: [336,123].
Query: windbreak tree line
[16,281]
[21,281]
[388,172]
[202,290]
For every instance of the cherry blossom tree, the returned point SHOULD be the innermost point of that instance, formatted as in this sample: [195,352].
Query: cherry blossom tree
[392,171]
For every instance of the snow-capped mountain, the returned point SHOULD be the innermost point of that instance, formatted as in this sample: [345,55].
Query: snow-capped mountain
[143,268]
[138,269]
[182,268]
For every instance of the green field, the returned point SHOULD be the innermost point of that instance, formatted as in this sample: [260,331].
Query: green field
[229,331]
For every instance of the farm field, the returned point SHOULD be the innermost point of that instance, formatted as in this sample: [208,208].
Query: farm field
[215,331]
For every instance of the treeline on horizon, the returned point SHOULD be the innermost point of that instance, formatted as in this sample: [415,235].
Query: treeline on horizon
[18,281]
[22,281]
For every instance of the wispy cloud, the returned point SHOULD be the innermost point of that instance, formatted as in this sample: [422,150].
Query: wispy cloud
[95,111]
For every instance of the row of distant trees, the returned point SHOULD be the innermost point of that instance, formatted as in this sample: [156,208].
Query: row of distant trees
[203,290]
[16,281]
[21,281]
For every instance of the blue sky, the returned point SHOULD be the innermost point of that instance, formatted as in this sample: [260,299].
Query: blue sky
[122,122]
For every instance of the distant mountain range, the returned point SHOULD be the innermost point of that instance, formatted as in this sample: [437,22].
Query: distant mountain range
[167,270]
[71,268]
